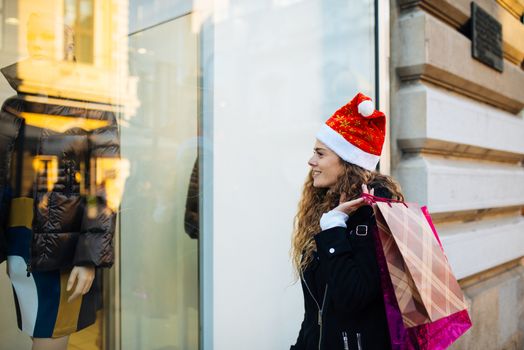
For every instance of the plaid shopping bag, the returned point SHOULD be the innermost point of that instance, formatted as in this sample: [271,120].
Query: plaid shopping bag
[425,287]
[433,335]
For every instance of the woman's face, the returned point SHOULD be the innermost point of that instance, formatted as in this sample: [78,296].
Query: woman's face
[325,165]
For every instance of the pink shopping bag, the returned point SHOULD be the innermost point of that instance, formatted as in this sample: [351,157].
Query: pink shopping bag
[432,335]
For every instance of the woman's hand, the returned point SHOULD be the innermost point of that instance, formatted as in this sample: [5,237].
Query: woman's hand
[84,276]
[351,206]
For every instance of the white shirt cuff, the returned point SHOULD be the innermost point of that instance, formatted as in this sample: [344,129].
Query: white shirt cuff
[332,219]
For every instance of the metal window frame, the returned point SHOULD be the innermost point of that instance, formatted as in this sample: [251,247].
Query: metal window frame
[382,74]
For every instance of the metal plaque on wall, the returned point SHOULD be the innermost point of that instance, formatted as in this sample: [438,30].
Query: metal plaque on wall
[486,38]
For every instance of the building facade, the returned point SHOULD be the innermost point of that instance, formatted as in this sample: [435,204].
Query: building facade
[458,145]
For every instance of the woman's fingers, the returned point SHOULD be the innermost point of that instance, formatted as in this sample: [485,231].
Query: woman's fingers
[354,204]
[347,207]
[357,201]
[365,189]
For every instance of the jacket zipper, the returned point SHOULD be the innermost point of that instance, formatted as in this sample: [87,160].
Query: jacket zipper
[70,171]
[18,186]
[320,313]
[359,343]
[30,261]
[320,308]
[345,338]
[35,196]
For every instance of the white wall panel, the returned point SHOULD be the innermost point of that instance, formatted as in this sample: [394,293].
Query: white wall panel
[280,69]
[475,247]
[433,113]
[446,185]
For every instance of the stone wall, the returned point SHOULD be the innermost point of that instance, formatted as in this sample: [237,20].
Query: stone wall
[497,311]
[457,145]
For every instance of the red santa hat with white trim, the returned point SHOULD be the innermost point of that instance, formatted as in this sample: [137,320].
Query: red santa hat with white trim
[356,132]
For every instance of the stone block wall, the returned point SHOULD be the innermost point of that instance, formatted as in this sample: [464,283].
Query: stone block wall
[457,145]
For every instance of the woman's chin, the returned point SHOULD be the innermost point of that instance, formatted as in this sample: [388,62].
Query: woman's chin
[317,184]
[322,184]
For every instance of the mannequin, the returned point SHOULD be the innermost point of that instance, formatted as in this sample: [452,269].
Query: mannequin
[56,217]
[66,223]
[55,203]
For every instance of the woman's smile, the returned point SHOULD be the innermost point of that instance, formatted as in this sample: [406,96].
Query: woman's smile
[326,166]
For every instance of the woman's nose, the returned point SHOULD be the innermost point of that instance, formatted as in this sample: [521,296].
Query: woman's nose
[312,161]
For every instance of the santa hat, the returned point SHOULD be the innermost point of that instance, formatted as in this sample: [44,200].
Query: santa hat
[356,132]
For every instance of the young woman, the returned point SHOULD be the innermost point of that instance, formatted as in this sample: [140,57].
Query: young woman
[333,247]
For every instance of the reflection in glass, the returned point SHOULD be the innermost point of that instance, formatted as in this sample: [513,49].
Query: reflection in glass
[159,254]
[62,179]
[61,174]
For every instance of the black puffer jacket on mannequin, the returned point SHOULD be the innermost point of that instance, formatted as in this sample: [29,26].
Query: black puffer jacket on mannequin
[60,155]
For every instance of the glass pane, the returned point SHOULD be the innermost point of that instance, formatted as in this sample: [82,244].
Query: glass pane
[159,217]
[147,13]
[75,69]
[64,84]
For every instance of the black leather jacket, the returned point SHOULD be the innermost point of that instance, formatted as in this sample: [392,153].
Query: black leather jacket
[60,155]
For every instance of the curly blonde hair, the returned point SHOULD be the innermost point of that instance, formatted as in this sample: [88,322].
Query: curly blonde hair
[316,201]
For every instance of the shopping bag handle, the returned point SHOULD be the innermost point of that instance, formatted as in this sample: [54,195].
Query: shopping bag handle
[369,198]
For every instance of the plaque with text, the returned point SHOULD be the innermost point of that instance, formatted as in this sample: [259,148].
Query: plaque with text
[486,38]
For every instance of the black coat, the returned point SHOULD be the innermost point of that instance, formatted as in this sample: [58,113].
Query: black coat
[73,224]
[344,282]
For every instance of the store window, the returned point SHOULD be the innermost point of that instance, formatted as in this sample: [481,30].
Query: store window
[99,148]
[108,107]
